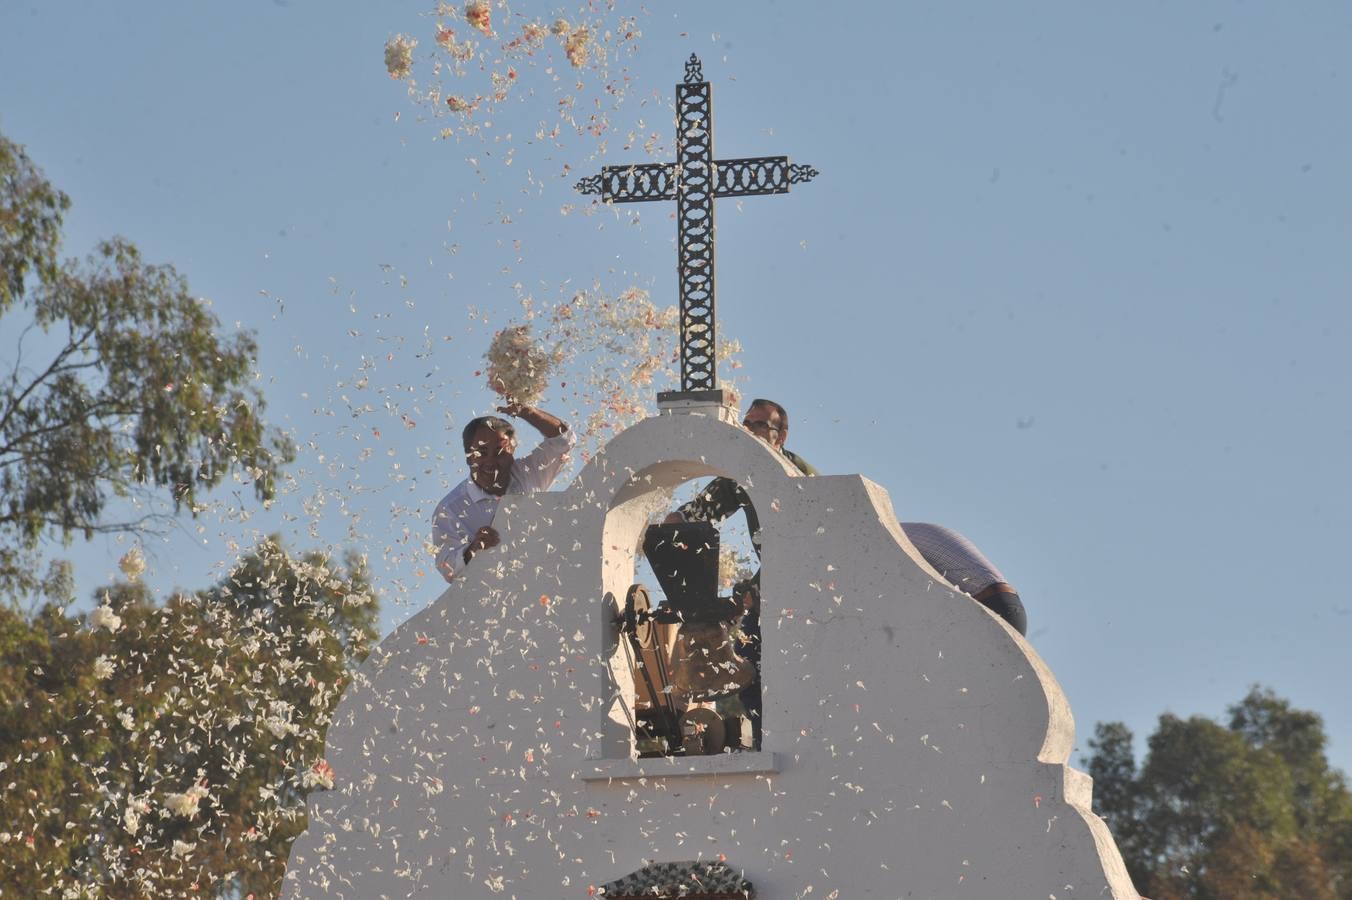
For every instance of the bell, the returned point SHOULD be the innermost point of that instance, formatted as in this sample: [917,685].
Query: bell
[703,732]
[684,558]
[705,664]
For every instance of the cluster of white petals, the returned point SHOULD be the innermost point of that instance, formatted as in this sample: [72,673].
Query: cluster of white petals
[104,617]
[131,817]
[278,720]
[577,47]
[185,804]
[399,56]
[132,564]
[519,366]
[320,775]
[480,14]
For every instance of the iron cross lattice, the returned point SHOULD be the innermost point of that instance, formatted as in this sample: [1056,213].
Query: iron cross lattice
[694,181]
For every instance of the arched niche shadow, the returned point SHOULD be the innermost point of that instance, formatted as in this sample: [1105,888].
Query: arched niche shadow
[634,480]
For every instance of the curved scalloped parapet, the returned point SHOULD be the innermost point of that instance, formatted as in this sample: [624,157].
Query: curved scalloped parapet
[914,744]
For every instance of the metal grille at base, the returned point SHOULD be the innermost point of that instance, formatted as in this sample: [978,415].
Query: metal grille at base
[692,880]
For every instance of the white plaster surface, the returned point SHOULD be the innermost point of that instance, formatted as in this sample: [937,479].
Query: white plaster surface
[914,745]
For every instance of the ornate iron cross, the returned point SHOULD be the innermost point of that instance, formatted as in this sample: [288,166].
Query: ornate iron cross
[694,181]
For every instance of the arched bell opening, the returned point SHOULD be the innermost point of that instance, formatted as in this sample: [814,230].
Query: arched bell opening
[685,649]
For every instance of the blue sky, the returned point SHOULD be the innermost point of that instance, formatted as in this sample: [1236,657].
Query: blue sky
[1074,280]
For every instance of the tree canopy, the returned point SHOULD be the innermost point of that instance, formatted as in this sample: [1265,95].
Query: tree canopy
[1248,810]
[123,401]
[160,749]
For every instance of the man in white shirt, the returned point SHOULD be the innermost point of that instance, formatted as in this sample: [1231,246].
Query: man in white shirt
[463,522]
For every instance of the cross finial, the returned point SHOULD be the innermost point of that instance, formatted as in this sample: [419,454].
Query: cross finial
[693,71]
[694,181]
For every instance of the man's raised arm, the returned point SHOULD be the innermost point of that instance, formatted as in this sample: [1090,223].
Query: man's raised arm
[547,424]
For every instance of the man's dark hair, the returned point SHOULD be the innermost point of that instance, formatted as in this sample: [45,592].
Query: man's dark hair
[493,422]
[783,413]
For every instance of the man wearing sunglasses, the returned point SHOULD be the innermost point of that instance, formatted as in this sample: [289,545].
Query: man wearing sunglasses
[463,522]
[722,497]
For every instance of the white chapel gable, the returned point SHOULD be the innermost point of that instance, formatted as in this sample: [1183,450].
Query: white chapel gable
[913,744]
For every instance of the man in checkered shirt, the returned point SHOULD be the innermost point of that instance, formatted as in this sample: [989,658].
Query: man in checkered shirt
[958,560]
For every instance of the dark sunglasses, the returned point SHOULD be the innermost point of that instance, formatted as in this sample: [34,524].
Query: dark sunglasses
[759,427]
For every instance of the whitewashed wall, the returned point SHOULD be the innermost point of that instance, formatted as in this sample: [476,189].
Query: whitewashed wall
[914,745]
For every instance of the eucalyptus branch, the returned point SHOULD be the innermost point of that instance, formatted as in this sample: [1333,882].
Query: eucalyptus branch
[54,368]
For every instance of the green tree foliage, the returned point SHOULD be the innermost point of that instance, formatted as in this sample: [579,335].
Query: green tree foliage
[120,388]
[1245,811]
[152,750]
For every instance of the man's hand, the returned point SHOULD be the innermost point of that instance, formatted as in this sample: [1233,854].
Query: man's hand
[547,424]
[483,539]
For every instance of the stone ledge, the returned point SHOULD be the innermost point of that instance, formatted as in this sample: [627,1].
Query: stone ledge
[717,403]
[759,763]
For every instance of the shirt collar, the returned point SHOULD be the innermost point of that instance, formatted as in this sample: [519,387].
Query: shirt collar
[477,494]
